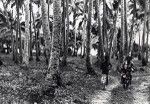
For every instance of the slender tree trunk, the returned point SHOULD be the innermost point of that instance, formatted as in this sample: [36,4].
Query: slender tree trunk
[147,46]
[139,55]
[48,9]
[131,32]
[143,37]
[55,49]
[75,35]
[37,45]
[17,30]
[31,55]
[84,28]
[88,39]
[83,39]
[35,32]
[68,31]
[46,30]
[105,37]
[143,45]
[12,44]
[148,31]
[20,42]
[100,45]
[26,42]
[13,52]
[122,34]
[139,40]
[64,34]
[74,17]
[125,30]
[113,34]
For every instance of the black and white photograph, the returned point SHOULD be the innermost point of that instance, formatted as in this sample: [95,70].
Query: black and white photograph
[74,52]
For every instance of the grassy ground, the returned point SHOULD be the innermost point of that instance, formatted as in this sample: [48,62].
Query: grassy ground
[25,86]
[19,85]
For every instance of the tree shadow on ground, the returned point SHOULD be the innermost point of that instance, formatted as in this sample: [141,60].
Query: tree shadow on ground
[79,87]
[148,94]
[121,96]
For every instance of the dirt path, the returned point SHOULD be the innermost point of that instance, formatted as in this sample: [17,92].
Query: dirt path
[103,97]
[79,92]
[141,91]
[138,92]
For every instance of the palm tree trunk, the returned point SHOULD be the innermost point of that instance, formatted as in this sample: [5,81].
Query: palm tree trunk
[100,45]
[125,30]
[122,34]
[12,44]
[88,39]
[37,45]
[143,37]
[26,42]
[17,30]
[131,32]
[20,42]
[139,49]
[68,31]
[113,34]
[75,44]
[105,37]
[148,30]
[64,34]
[31,55]
[48,8]
[35,32]
[74,16]
[147,46]
[55,49]
[84,28]
[46,30]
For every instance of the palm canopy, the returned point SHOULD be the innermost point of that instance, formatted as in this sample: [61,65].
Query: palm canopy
[76,11]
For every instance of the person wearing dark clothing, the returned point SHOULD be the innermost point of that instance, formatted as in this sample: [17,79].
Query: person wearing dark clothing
[124,70]
[105,66]
[127,67]
[128,59]
[129,62]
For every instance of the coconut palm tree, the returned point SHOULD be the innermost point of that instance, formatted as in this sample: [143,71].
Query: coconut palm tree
[148,30]
[16,45]
[45,27]
[26,43]
[122,33]
[53,66]
[100,45]
[132,26]
[18,4]
[64,33]
[115,17]
[105,37]
[31,55]
[84,28]
[124,36]
[11,24]
[144,33]
[88,39]
[125,29]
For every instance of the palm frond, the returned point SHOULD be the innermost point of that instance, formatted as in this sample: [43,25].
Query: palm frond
[3,18]
[20,3]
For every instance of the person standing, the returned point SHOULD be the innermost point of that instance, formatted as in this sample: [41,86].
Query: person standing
[106,66]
